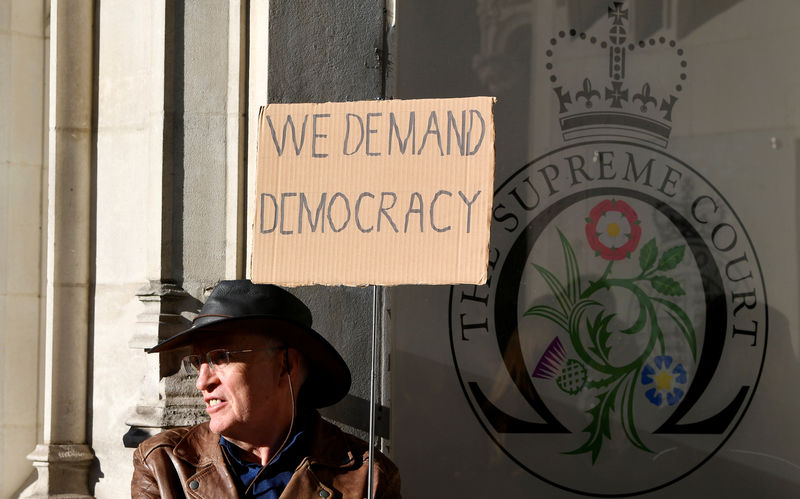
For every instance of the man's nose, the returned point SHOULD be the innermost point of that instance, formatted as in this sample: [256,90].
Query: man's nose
[205,376]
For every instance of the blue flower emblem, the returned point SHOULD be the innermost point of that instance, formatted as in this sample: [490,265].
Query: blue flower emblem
[665,380]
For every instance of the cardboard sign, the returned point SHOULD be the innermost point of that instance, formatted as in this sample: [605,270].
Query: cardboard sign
[374,192]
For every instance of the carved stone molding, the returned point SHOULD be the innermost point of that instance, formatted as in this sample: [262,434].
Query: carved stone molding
[61,471]
[168,397]
[164,314]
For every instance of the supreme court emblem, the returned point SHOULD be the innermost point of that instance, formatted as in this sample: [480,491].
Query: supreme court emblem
[621,334]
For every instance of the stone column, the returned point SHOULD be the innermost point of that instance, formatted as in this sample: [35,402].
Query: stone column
[165,398]
[62,459]
[196,219]
[173,401]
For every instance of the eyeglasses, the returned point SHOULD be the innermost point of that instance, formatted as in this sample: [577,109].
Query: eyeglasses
[217,359]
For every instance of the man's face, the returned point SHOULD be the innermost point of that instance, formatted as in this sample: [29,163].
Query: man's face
[248,394]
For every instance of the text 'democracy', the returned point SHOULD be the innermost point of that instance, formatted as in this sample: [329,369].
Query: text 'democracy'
[374,192]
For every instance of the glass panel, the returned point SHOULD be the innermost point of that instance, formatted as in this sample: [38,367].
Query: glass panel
[638,332]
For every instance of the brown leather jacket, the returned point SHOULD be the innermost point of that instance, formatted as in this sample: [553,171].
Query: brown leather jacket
[188,463]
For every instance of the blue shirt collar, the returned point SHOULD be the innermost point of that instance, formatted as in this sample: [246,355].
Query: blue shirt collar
[273,479]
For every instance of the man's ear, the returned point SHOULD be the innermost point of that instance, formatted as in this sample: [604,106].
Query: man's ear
[295,366]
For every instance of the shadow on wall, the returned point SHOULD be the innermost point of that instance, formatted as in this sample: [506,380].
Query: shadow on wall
[95,474]
[27,483]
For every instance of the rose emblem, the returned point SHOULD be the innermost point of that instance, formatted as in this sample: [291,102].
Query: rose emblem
[613,229]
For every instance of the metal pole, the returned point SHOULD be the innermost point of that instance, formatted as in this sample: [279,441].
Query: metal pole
[373,362]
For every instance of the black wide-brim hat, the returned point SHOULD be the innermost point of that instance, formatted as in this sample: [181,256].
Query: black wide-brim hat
[237,306]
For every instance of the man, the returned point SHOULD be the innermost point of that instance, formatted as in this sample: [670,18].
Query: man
[262,371]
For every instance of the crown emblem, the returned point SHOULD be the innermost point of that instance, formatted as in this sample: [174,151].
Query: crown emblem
[617,100]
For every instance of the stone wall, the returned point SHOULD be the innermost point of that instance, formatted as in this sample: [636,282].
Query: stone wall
[22,169]
[152,125]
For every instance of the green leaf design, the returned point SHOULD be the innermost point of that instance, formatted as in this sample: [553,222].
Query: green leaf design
[667,286]
[683,322]
[575,315]
[647,255]
[573,272]
[601,382]
[599,334]
[603,337]
[628,425]
[600,426]
[555,287]
[594,327]
[549,313]
[574,322]
[639,324]
[671,258]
